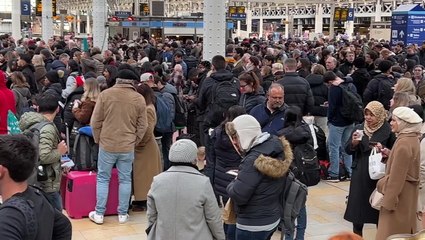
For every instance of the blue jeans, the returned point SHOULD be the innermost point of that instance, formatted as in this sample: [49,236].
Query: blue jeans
[55,200]
[124,163]
[245,235]
[338,138]
[301,226]
[230,231]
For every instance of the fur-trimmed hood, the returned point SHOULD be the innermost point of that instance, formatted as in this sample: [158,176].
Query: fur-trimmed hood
[275,168]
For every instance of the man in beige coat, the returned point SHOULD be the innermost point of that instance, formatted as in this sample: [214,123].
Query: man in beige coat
[119,123]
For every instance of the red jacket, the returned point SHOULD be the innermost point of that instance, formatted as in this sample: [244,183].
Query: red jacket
[7,102]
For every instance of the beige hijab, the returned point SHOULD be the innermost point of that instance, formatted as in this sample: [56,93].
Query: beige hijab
[378,110]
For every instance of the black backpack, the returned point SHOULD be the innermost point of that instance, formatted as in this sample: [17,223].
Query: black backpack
[306,165]
[85,152]
[352,104]
[191,62]
[39,174]
[180,117]
[224,95]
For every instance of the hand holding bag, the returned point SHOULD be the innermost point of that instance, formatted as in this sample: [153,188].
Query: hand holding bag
[229,215]
[376,199]
[376,167]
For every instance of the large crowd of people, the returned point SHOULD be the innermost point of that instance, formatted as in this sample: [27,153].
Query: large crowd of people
[250,109]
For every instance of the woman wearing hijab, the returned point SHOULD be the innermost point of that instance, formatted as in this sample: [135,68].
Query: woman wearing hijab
[376,129]
[400,185]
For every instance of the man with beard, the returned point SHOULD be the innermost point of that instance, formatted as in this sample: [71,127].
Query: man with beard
[270,115]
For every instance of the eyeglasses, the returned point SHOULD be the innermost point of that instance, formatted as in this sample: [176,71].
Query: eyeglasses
[243,86]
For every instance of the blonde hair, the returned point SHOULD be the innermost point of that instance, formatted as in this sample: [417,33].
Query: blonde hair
[405,85]
[38,60]
[91,90]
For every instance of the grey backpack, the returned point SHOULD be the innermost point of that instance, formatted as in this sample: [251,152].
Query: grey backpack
[293,199]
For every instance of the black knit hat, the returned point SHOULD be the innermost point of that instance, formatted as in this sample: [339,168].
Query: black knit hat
[127,74]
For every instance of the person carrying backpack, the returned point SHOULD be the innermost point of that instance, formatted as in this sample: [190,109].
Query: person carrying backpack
[305,165]
[257,188]
[22,93]
[25,212]
[218,92]
[340,127]
[51,148]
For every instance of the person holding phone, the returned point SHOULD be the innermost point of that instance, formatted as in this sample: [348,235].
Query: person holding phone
[375,130]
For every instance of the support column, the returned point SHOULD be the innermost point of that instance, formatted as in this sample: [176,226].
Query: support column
[318,23]
[238,31]
[287,20]
[78,22]
[349,29]
[332,23]
[214,28]
[16,19]
[100,32]
[378,11]
[47,20]
[136,7]
[249,22]
[260,26]
[88,27]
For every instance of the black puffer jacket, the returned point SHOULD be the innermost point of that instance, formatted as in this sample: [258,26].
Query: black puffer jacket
[250,100]
[360,79]
[28,71]
[379,89]
[223,157]
[297,92]
[320,94]
[256,190]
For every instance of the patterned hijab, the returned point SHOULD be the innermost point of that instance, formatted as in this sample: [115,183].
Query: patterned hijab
[378,110]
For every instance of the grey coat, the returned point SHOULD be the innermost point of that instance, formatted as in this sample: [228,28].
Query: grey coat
[182,205]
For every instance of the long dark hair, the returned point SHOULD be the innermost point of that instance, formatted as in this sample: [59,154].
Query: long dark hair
[147,93]
[232,113]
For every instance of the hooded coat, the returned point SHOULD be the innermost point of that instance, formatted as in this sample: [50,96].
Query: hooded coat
[7,100]
[260,181]
[380,88]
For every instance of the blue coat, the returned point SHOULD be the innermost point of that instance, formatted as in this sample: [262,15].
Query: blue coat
[270,122]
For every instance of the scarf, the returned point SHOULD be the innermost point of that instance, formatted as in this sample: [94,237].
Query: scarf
[378,110]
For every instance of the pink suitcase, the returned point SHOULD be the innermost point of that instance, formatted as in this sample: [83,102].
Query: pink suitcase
[80,197]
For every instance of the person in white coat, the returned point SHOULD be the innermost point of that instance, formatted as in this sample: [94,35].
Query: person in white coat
[181,201]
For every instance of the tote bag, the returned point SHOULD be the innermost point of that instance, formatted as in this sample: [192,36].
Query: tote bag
[376,167]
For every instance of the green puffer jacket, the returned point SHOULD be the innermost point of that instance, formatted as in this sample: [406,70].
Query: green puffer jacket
[50,158]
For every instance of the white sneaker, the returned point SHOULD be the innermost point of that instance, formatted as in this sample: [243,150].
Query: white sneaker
[123,218]
[96,218]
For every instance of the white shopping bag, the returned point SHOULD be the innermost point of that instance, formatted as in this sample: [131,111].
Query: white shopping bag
[376,167]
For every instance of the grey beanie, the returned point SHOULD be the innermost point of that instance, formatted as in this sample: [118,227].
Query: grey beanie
[183,151]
